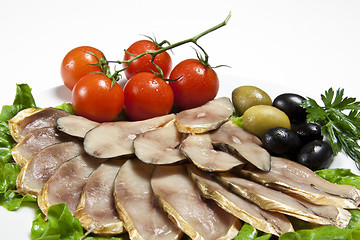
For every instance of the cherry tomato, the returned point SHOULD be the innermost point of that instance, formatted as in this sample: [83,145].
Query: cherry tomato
[143,64]
[197,83]
[94,98]
[147,96]
[76,64]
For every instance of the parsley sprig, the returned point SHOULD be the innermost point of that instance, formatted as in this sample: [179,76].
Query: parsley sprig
[339,119]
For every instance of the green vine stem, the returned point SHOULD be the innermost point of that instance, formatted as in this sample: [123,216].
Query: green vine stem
[204,60]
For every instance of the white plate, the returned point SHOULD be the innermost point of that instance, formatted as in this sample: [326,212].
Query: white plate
[17,225]
[309,45]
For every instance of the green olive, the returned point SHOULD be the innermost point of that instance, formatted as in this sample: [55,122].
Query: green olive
[245,97]
[260,118]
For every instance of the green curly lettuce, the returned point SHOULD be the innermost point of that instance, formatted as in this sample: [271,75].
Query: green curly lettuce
[8,168]
[60,224]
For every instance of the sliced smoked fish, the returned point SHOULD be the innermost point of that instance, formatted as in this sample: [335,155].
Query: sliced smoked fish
[263,220]
[205,118]
[96,209]
[295,179]
[199,218]
[112,139]
[36,141]
[43,164]
[31,119]
[273,200]
[199,149]
[76,126]
[136,204]
[159,146]
[66,184]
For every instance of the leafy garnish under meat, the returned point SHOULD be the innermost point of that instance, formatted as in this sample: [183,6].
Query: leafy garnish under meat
[8,168]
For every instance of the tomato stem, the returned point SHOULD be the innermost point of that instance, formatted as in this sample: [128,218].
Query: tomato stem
[193,40]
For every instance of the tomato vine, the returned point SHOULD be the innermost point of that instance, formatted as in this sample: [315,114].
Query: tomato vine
[204,60]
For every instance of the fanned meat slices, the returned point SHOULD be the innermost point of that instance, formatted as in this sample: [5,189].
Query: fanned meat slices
[114,139]
[136,204]
[197,217]
[297,180]
[96,209]
[229,133]
[205,118]
[227,147]
[36,141]
[159,146]
[266,221]
[199,149]
[31,119]
[43,164]
[277,201]
[159,202]
[241,144]
[76,126]
[67,182]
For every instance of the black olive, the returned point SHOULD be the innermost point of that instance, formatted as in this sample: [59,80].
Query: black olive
[281,141]
[308,132]
[289,103]
[316,155]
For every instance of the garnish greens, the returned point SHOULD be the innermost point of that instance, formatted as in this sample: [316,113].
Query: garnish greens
[8,168]
[339,119]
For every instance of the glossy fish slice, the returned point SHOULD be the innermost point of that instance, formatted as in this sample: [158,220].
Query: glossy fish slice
[114,139]
[31,119]
[67,182]
[76,126]
[241,144]
[205,118]
[136,204]
[229,132]
[297,180]
[277,201]
[43,164]
[199,149]
[159,146]
[266,221]
[199,218]
[96,209]
[36,141]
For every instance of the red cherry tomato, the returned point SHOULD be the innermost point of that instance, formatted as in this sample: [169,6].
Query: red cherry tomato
[197,83]
[147,96]
[94,98]
[143,64]
[76,64]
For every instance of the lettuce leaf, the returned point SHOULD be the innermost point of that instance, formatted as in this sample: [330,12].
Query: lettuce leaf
[352,232]
[248,232]
[67,107]
[61,224]
[8,168]
[323,233]
[238,120]
[340,176]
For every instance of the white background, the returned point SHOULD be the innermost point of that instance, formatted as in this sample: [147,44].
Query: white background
[302,46]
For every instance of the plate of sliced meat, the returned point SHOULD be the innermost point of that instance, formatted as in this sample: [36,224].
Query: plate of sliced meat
[192,173]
